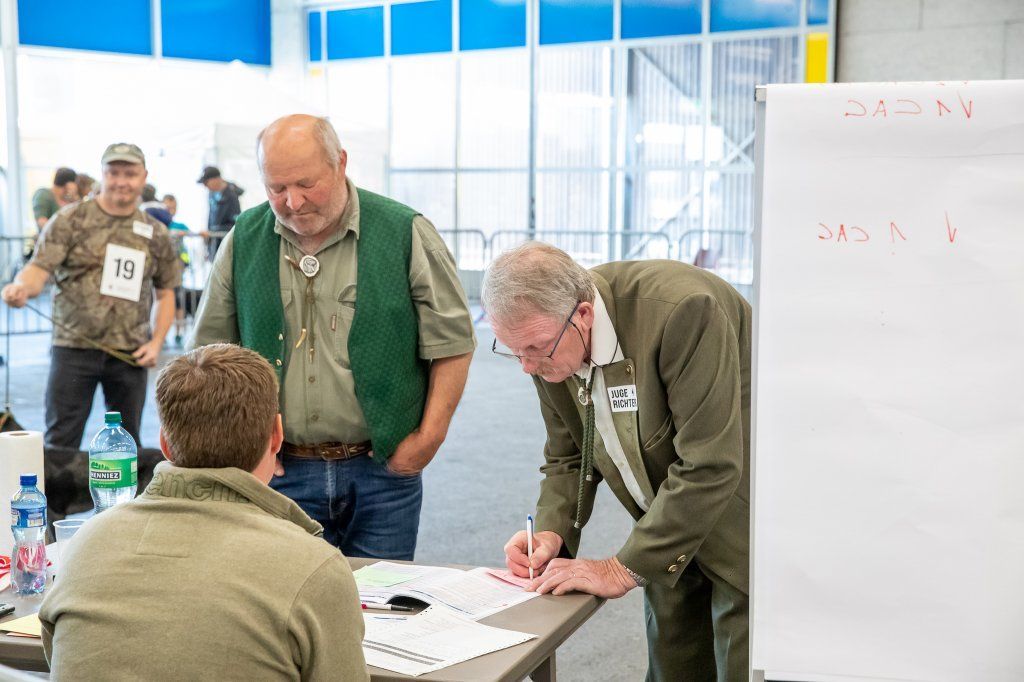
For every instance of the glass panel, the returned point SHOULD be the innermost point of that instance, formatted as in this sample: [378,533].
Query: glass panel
[575,21]
[495,114]
[574,108]
[573,201]
[353,33]
[220,31]
[737,67]
[726,248]
[665,119]
[361,122]
[431,194]
[491,23]
[817,11]
[111,26]
[646,18]
[665,201]
[313,31]
[741,15]
[423,112]
[421,27]
[493,201]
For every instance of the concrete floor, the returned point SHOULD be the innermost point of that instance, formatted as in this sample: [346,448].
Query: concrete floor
[477,493]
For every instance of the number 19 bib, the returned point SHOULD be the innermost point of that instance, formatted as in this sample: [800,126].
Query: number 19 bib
[123,269]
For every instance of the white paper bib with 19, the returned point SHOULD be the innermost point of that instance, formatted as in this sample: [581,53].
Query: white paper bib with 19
[123,270]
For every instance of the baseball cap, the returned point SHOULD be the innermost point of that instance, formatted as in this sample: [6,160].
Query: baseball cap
[209,173]
[123,151]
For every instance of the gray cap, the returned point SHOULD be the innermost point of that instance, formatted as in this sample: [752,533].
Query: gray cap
[123,151]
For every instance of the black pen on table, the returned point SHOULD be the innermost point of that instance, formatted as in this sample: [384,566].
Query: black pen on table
[386,607]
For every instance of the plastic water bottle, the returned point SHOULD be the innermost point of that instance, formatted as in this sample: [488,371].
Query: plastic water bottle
[113,465]
[28,526]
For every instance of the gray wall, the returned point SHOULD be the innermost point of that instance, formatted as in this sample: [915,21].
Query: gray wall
[911,40]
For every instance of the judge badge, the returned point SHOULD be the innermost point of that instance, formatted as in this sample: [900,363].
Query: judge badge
[309,266]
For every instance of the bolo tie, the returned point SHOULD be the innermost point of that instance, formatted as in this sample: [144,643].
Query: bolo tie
[587,461]
[310,267]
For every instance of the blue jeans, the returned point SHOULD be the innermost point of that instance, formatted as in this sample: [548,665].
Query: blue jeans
[366,510]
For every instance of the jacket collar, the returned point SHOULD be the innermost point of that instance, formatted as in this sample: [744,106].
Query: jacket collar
[226,485]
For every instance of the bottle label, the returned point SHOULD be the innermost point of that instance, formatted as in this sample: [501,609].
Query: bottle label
[113,473]
[28,518]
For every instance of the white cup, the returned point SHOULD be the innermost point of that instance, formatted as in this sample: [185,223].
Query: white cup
[63,531]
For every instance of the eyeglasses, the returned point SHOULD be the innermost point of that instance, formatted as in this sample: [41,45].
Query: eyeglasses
[512,356]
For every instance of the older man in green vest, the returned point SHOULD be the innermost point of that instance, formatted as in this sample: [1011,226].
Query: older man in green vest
[643,374]
[355,300]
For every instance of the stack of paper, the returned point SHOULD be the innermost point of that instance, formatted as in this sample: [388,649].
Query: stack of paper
[475,594]
[431,640]
[26,626]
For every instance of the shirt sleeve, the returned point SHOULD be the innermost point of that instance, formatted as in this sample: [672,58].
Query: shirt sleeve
[42,204]
[445,323]
[167,273]
[54,243]
[326,625]
[217,320]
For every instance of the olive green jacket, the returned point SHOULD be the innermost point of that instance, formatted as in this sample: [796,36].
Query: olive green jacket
[685,337]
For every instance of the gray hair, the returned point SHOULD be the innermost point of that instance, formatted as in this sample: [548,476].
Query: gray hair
[535,277]
[324,134]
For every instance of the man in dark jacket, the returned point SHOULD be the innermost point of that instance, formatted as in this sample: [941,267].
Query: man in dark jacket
[224,206]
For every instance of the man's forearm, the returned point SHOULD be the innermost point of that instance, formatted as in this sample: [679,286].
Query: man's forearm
[165,306]
[33,278]
[447,381]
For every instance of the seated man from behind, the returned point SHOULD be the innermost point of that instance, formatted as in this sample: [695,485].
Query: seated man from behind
[208,574]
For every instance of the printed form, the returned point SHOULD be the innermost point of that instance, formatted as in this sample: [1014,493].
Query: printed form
[474,594]
[433,639]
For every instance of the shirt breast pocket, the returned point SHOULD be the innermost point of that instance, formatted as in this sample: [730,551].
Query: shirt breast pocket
[341,323]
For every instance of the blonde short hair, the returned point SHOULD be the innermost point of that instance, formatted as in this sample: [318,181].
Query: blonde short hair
[217,406]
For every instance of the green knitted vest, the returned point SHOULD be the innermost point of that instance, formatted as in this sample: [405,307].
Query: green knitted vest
[390,378]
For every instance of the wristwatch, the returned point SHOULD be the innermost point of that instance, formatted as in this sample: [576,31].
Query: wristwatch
[639,579]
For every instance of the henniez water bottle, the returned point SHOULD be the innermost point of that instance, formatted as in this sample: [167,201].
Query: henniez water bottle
[113,465]
[28,526]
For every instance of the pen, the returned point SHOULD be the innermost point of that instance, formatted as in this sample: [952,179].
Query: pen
[529,542]
[386,607]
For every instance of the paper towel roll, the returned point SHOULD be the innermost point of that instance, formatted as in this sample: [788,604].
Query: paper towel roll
[21,452]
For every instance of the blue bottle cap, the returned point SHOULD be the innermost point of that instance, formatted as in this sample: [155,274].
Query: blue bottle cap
[112,418]
[28,480]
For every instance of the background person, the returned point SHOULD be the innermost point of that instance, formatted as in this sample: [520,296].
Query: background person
[224,206]
[355,300]
[109,261]
[46,201]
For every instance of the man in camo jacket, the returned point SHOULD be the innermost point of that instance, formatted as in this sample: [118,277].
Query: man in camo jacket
[106,257]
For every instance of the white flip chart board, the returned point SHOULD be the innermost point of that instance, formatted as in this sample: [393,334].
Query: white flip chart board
[888,523]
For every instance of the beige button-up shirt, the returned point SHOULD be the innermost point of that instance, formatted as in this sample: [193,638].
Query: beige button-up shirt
[318,401]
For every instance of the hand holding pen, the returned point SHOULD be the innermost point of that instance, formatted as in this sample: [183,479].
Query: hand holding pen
[520,559]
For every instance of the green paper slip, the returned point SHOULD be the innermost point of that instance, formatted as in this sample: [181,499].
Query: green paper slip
[368,576]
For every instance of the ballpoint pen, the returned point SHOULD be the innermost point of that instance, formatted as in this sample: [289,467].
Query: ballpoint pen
[529,542]
[386,607]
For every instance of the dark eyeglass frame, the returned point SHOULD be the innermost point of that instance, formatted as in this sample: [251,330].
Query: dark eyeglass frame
[520,358]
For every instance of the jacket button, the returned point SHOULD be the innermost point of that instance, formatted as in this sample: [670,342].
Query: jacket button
[280,337]
[629,369]
[673,568]
[682,558]
[278,361]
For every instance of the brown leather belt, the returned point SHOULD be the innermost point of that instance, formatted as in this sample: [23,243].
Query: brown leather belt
[327,451]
